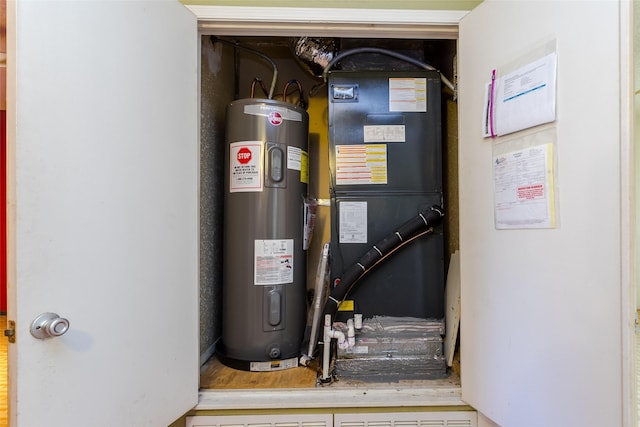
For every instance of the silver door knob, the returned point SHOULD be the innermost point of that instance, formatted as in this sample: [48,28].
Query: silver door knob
[49,325]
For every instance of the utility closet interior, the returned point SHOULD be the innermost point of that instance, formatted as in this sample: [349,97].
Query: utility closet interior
[328,212]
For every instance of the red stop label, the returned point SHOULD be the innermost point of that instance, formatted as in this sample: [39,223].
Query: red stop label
[244,155]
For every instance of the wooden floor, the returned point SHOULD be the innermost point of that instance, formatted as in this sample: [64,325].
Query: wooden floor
[215,375]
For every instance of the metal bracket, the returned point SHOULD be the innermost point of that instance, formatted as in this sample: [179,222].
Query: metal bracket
[10,332]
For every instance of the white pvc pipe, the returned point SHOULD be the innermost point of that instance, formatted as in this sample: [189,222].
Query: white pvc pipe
[326,353]
[351,334]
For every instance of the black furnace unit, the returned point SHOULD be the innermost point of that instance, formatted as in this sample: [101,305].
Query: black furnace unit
[385,145]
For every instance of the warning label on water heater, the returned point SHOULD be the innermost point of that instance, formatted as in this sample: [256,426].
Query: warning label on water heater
[245,171]
[273,262]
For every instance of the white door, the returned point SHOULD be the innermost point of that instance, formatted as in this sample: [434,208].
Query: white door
[541,326]
[103,158]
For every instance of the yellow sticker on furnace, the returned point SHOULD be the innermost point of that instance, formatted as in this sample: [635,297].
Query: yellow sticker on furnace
[346,305]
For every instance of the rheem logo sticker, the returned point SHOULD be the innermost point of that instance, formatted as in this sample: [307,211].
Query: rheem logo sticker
[275,118]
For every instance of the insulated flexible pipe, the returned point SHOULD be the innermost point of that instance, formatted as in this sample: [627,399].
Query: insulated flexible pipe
[391,53]
[415,227]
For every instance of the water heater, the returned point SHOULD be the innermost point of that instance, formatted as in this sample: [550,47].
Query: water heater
[264,276]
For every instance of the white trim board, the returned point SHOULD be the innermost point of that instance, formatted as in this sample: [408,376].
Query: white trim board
[333,22]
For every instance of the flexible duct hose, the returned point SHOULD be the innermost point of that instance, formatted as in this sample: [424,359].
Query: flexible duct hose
[387,52]
[413,228]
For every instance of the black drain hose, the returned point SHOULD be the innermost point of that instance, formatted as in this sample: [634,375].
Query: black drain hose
[414,228]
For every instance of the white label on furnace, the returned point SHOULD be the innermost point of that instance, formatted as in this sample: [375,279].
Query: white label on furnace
[245,166]
[273,262]
[384,133]
[408,94]
[358,349]
[353,222]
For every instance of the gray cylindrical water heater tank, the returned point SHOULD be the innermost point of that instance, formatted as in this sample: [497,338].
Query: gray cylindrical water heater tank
[264,276]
